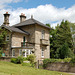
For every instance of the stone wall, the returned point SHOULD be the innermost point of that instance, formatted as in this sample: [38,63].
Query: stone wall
[63,67]
[31,30]
[17,38]
[8,59]
[35,36]
[38,45]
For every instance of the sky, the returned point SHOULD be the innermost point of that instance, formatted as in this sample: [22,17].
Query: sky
[45,11]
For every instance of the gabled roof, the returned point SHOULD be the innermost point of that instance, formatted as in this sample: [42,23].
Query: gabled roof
[13,29]
[30,22]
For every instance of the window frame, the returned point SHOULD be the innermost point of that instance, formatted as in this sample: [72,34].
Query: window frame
[13,53]
[25,53]
[42,52]
[7,37]
[20,50]
[43,34]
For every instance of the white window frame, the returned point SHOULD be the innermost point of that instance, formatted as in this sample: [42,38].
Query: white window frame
[25,52]
[7,37]
[29,51]
[19,52]
[13,52]
[42,53]
[43,34]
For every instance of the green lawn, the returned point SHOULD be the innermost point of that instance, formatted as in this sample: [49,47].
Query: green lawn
[7,68]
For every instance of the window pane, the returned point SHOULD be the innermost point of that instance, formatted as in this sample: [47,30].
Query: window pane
[27,52]
[7,38]
[43,34]
[20,52]
[42,53]
[13,52]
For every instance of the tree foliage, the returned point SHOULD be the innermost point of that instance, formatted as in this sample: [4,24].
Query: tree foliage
[61,41]
[2,39]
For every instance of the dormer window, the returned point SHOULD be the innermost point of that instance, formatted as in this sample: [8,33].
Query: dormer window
[43,34]
[7,38]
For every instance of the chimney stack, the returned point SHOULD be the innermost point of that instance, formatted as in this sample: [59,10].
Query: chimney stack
[22,17]
[6,19]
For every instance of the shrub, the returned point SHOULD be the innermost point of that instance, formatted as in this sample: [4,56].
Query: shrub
[17,60]
[25,59]
[73,60]
[67,60]
[1,52]
[46,61]
[14,60]
[31,58]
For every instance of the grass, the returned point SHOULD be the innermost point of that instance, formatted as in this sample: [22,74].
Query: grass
[7,68]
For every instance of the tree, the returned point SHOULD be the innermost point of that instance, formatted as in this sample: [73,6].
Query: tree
[64,51]
[72,27]
[61,41]
[2,41]
[63,35]
[48,25]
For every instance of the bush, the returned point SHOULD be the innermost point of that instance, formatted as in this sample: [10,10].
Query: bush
[73,60]
[67,60]
[31,58]
[1,52]
[25,59]
[46,61]
[14,60]
[17,60]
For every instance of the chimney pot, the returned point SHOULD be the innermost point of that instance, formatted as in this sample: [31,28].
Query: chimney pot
[6,12]
[24,14]
[21,13]
[22,17]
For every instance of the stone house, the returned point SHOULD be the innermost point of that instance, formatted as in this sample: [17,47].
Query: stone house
[27,37]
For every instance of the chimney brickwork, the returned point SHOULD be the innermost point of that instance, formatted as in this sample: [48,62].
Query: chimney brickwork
[22,17]
[6,19]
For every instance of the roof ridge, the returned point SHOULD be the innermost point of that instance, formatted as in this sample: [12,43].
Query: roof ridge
[30,21]
[19,23]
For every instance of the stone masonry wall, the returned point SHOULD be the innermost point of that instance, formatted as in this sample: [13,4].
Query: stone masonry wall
[35,36]
[31,30]
[63,67]
[38,46]
[17,38]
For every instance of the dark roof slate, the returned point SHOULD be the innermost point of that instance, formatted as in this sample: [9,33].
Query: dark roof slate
[30,22]
[15,29]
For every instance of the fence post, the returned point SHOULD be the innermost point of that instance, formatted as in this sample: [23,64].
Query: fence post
[38,64]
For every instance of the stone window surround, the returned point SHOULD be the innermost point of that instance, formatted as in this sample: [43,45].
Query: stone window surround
[13,52]
[25,52]
[42,52]
[43,34]
[7,37]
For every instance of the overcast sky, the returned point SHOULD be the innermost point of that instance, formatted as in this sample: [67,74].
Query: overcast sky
[46,11]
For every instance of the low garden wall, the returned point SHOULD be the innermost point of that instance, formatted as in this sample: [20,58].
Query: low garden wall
[63,67]
[5,59]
